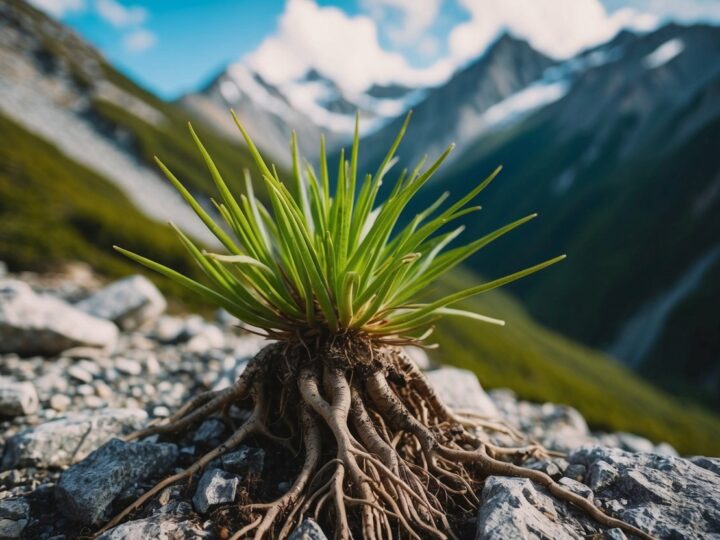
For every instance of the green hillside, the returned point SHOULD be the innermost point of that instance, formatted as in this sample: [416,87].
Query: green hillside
[54,210]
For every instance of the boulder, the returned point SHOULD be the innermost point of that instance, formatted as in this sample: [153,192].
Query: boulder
[66,440]
[215,487]
[460,389]
[129,302]
[40,324]
[86,490]
[666,496]
[17,398]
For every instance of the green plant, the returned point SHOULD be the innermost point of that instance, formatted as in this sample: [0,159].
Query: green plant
[324,263]
[328,276]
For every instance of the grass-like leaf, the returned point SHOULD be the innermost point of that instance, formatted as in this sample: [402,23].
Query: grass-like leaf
[327,259]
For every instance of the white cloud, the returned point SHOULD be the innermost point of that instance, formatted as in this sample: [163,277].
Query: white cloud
[58,8]
[342,47]
[559,28]
[346,48]
[139,40]
[416,16]
[120,16]
[685,10]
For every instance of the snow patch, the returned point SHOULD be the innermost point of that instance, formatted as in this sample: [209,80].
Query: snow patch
[523,102]
[664,53]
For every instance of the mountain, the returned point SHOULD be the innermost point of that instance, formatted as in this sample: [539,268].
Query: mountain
[66,195]
[56,85]
[505,82]
[311,105]
[625,170]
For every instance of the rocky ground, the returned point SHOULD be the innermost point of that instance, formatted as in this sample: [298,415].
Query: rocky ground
[82,364]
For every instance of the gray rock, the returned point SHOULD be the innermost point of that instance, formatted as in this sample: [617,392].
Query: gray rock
[711,464]
[245,460]
[577,487]
[601,475]
[39,324]
[14,516]
[666,496]
[308,530]
[215,487]
[66,440]
[129,302]
[210,429]
[460,389]
[86,490]
[159,526]
[514,508]
[17,398]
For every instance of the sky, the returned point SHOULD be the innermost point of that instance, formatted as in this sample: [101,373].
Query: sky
[176,46]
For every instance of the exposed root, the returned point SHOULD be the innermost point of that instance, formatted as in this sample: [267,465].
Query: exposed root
[383,456]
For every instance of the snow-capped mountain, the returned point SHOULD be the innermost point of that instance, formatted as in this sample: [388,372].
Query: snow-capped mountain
[311,105]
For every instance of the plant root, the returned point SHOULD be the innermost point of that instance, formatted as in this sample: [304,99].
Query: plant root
[383,456]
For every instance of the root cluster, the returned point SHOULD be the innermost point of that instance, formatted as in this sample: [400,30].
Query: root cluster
[383,456]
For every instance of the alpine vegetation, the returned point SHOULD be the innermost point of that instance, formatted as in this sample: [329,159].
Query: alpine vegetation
[336,275]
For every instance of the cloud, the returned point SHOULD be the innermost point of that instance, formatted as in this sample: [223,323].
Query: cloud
[139,40]
[559,28]
[416,16]
[120,16]
[685,11]
[342,47]
[59,8]
[347,50]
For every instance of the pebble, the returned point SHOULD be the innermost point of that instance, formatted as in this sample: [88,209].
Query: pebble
[60,402]
[215,487]
[127,366]
[82,375]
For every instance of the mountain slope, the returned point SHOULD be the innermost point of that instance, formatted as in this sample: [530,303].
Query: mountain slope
[312,105]
[55,84]
[624,170]
[458,111]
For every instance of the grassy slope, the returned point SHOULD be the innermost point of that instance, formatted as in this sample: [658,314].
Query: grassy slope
[541,365]
[53,210]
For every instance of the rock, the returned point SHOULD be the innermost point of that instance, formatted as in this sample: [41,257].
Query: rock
[80,374]
[86,490]
[634,443]
[245,460]
[210,429]
[60,402]
[514,508]
[14,517]
[666,496]
[129,302]
[576,471]
[169,330]
[419,356]
[308,530]
[601,475]
[17,398]
[159,526]
[66,440]
[39,324]
[215,487]
[3,269]
[127,366]
[460,389]
[211,337]
[577,487]
[711,464]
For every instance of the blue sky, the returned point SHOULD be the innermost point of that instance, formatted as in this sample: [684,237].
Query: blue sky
[173,46]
